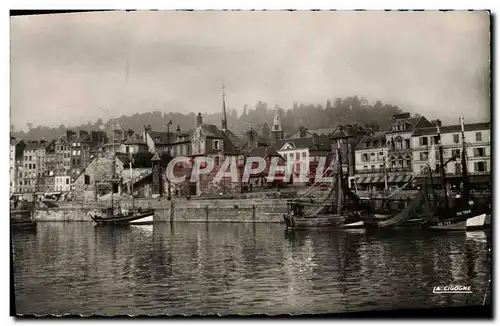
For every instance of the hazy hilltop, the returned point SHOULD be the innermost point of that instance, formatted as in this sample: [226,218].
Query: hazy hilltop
[349,110]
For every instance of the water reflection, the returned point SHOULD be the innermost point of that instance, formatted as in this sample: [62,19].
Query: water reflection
[192,268]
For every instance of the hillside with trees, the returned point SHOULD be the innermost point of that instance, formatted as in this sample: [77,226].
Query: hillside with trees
[349,110]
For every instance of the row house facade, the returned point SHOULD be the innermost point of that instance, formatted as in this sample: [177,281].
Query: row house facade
[385,159]
[32,167]
[16,164]
[371,161]
[305,153]
[478,147]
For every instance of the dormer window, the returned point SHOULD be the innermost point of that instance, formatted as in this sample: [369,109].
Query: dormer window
[217,144]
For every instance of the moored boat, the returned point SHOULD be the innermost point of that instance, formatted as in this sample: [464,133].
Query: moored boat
[22,219]
[138,217]
[463,214]
[115,216]
[340,209]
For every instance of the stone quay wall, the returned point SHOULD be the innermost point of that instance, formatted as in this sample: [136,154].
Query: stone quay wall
[223,210]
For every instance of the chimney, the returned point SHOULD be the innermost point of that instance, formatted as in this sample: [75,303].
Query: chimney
[251,137]
[199,120]
[437,122]
[302,132]
[69,134]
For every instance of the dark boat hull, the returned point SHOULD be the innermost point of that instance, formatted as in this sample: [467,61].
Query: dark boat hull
[141,218]
[22,219]
[326,221]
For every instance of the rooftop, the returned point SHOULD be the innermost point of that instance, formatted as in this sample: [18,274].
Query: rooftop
[452,129]
[376,140]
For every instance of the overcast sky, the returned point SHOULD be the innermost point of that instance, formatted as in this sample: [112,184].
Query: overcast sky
[74,68]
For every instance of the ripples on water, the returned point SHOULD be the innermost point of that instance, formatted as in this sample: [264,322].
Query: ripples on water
[197,268]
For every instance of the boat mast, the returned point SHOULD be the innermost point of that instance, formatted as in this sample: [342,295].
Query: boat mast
[340,193]
[465,180]
[131,182]
[430,174]
[385,176]
[113,170]
[441,163]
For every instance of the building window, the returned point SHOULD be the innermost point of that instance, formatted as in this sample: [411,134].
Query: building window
[479,136]
[373,167]
[458,168]
[423,141]
[480,166]
[127,149]
[456,138]
[365,167]
[67,181]
[216,144]
[407,143]
[217,161]
[479,152]
[423,156]
[303,154]
[87,179]
[364,157]
[400,161]
[297,156]
[455,153]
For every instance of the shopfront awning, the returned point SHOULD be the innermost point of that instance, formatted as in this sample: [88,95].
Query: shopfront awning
[399,178]
[360,180]
[370,179]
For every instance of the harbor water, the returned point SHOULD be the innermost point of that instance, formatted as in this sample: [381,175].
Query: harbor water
[241,268]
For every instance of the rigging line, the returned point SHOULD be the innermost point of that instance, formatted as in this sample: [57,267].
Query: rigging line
[317,185]
[488,285]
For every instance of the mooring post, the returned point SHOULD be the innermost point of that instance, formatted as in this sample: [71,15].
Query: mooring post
[171,211]
[253,213]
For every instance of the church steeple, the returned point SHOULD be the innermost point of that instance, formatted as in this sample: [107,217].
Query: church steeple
[224,117]
[277,130]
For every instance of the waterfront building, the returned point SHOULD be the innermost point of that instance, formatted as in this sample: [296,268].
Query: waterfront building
[33,158]
[63,154]
[478,144]
[62,183]
[80,145]
[94,181]
[304,152]
[16,164]
[345,138]
[400,150]
[49,172]
[370,162]
[132,146]
[267,153]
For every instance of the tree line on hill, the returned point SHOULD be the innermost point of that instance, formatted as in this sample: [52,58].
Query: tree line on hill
[348,110]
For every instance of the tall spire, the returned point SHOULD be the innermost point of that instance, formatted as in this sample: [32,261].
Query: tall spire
[224,117]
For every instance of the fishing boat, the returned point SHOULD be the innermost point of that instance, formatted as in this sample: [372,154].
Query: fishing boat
[463,214]
[339,209]
[22,218]
[115,215]
[110,216]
